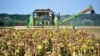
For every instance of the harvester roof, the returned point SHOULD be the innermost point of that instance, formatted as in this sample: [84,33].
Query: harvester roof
[42,10]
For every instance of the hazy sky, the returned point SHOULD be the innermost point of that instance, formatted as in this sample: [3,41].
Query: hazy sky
[62,6]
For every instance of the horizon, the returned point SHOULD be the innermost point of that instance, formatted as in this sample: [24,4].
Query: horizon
[56,14]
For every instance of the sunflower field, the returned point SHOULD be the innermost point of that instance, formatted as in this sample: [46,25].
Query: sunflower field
[48,42]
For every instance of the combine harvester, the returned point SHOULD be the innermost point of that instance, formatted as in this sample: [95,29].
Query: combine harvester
[45,18]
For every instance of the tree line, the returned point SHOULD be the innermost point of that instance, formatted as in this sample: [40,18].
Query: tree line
[22,19]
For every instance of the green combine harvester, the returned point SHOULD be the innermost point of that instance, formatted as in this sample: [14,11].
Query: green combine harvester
[46,17]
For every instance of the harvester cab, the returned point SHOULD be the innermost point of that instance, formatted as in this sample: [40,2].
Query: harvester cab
[43,17]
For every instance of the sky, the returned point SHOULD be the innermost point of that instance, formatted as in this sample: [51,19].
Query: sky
[58,6]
